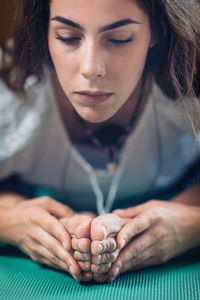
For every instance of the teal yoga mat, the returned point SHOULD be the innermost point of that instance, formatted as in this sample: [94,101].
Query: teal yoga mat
[23,279]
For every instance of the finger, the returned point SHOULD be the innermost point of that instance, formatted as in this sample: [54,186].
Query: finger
[82,256]
[84,265]
[137,246]
[99,247]
[44,256]
[136,261]
[134,211]
[134,227]
[52,245]
[105,226]
[78,225]
[105,258]
[61,266]
[130,212]
[54,207]
[118,268]
[88,213]
[148,263]
[51,225]
[46,262]
[100,277]
[99,269]
[81,245]
[87,276]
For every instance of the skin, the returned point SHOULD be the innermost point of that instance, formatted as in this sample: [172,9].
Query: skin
[94,62]
[88,246]
[158,231]
[153,232]
[34,227]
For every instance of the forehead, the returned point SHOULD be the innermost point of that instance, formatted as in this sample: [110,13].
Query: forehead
[97,11]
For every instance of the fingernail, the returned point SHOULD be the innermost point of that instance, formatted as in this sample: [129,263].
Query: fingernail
[100,248]
[76,278]
[65,245]
[123,242]
[71,269]
[80,245]
[116,272]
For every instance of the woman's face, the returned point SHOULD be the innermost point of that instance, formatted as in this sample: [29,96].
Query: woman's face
[99,49]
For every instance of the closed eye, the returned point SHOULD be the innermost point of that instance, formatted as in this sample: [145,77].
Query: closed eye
[75,40]
[70,41]
[120,42]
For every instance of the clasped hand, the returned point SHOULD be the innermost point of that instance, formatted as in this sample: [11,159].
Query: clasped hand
[101,248]
[148,234]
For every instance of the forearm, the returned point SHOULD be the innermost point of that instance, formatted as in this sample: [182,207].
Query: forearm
[190,197]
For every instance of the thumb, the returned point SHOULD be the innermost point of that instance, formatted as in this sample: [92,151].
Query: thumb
[130,212]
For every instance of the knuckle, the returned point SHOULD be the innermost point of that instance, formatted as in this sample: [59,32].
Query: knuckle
[34,250]
[119,264]
[159,233]
[112,256]
[136,261]
[94,268]
[53,259]
[139,224]
[46,200]
[55,248]
[34,257]
[106,268]
[32,215]
[111,245]
[138,248]
[106,257]
[85,266]
[101,268]
[95,260]
[156,214]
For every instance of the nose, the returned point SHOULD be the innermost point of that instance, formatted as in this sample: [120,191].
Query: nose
[93,64]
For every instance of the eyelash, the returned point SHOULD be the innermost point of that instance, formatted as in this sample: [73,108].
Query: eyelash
[74,40]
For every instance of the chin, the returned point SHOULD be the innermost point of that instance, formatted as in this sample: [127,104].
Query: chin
[93,115]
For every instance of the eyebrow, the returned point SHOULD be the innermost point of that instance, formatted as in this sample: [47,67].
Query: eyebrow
[102,29]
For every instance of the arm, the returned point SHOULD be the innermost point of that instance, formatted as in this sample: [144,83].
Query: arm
[189,197]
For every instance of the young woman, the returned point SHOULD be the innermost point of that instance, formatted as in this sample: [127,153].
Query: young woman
[99,104]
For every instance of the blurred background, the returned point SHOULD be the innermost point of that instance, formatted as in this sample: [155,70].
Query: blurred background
[7,12]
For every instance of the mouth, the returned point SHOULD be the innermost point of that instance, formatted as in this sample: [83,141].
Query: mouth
[94,97]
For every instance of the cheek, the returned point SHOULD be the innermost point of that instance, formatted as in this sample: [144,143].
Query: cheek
[129,68]
[64,67]
[63,62]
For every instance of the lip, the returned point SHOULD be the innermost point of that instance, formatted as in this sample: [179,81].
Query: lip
[94,97]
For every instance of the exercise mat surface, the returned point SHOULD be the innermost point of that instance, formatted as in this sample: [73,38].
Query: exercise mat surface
[23,279]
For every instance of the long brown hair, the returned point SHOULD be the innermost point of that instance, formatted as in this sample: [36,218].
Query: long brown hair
[174,60]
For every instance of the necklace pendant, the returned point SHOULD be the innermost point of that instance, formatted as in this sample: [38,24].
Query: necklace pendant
[111,167]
